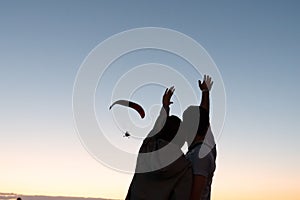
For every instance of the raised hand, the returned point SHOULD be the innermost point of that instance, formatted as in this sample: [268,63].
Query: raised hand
[167,96]
[206,84]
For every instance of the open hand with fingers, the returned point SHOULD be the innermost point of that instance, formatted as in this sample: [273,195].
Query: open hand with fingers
[206,84]
[167,96]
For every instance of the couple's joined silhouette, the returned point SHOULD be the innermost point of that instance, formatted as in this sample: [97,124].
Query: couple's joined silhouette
[186,177]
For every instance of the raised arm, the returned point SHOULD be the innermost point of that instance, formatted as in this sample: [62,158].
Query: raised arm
[200,177]
[205,87]
[164,112]
[166,101]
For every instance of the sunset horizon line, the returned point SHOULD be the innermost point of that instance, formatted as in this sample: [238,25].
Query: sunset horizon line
[15,195]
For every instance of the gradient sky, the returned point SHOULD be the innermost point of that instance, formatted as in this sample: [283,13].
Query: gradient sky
[255,45]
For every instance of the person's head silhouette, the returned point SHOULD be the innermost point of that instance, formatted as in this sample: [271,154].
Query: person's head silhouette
[19,198]
[170,128]
[193,124]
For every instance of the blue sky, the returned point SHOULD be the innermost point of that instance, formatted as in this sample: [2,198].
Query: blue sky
[255,45]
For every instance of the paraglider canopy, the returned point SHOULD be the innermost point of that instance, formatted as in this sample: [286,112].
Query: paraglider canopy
[130,104]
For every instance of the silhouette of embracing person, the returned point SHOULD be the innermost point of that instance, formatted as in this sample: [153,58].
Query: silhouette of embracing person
[169,174]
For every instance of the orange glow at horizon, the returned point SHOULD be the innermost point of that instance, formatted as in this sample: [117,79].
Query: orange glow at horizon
[69,171]
[228,184]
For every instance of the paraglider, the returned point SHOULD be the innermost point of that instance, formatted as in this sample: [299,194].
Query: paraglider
[127,134]
[130,104]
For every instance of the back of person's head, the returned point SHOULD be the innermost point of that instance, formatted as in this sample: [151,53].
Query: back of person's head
[190,122]
[19,198]
[191,125]
[170,129]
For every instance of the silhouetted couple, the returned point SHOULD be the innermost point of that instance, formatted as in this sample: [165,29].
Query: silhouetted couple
[163,172]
